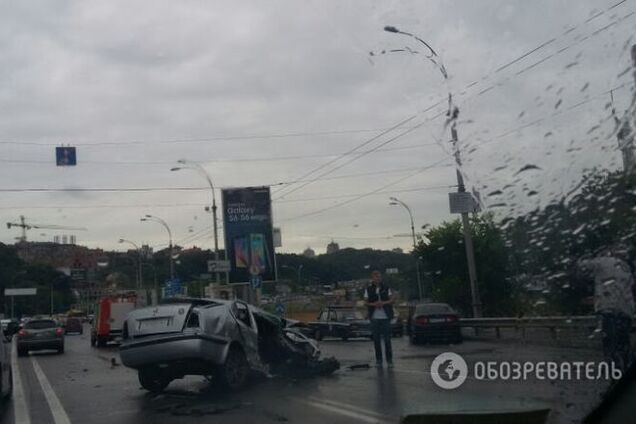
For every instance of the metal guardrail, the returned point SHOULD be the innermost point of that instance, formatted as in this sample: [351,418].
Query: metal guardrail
[522,324]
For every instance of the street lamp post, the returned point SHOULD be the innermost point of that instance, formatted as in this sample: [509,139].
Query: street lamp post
[200,169]
[396,201]
[453,113]
[153,218]
[139,276]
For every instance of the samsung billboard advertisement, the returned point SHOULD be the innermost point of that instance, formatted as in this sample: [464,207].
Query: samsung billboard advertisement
[247,224]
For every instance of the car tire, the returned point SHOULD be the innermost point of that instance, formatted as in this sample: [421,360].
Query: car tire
[318,335]
[60,349]
[415,340]
[153,379]
[234,372]
[22,352]
[102,341]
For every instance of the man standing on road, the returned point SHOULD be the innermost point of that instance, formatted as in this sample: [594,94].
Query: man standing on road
[379,301]
[613,302]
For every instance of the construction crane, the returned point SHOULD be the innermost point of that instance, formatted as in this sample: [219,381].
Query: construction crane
[24,226]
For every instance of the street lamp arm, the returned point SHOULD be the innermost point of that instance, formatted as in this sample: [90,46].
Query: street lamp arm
[162,222]
[121,240]
[405,206]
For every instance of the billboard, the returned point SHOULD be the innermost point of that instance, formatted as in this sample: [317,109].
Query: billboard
[249,244]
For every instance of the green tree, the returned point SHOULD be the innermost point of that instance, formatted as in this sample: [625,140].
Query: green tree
[444,258]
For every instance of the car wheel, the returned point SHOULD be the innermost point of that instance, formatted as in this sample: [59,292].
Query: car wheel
[414,339]
[318,335]
[233,373]
[101,341]
[153,380]
[22,352]
[60,349]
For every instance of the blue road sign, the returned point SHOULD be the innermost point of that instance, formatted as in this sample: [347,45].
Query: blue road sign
[172,287]
[65,156]
[256,281]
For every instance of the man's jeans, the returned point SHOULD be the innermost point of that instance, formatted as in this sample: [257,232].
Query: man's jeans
[381,328]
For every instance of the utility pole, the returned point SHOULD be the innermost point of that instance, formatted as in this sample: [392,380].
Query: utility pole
[453,113]
[625,133]
[468,238]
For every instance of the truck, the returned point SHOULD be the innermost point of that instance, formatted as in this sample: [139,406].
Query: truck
[110,315]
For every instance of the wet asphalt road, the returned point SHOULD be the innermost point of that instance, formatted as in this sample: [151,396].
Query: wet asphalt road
[83,386]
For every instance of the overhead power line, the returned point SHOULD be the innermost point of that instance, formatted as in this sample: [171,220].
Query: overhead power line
[222,160]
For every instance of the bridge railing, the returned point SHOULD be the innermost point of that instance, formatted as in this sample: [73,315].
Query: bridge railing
[553,324]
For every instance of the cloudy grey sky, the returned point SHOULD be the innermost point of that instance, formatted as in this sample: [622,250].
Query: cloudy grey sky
[264,92]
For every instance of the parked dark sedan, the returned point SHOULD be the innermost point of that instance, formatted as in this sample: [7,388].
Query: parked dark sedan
[434,322]
[346,322]
[40,334]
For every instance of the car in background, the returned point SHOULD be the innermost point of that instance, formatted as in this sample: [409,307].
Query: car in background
[40,334]
[346,322]
[74,325]
[434,322]
[111,314]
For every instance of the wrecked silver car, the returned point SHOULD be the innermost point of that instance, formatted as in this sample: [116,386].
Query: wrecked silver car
[225,340]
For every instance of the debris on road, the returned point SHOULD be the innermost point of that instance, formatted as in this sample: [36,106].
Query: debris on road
[359,367]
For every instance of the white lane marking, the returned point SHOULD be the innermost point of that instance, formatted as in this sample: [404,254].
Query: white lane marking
[351,407]
[57,410]
[346,410]
[20,410]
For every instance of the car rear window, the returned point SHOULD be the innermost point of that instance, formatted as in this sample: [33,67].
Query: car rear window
[433,309]
[40,325]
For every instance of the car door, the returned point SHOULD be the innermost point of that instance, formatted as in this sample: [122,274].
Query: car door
[248,330]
